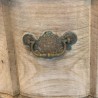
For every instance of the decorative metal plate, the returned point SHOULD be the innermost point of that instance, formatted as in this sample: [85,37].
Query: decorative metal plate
[50,45]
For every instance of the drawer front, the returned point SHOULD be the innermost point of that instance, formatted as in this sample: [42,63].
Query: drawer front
[57,77]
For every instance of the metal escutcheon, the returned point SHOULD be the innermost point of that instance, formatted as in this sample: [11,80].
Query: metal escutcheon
[50,45]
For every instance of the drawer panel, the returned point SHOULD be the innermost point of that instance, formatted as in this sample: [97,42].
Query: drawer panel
[64,76]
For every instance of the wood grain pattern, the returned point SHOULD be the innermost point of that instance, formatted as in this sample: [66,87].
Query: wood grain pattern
[5,79]
[51,97]
[64,76]
[8,71]
[5,96]
[94,48]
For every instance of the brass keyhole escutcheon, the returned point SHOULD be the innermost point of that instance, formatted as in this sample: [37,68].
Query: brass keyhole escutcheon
[50,45]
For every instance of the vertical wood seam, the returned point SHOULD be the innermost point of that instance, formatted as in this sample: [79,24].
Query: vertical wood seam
[93,62]
[10,47]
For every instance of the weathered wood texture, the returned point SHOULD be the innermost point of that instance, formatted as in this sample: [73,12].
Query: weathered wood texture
[20,96]
[8,72]
[52,97]
[94,47]
[65,76]
[5,96]
[5,79]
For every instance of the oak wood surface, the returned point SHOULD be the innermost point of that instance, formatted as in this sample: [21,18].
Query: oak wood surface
[8,71]
[94,47]
[2,95]
[65,76]
[5,78]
